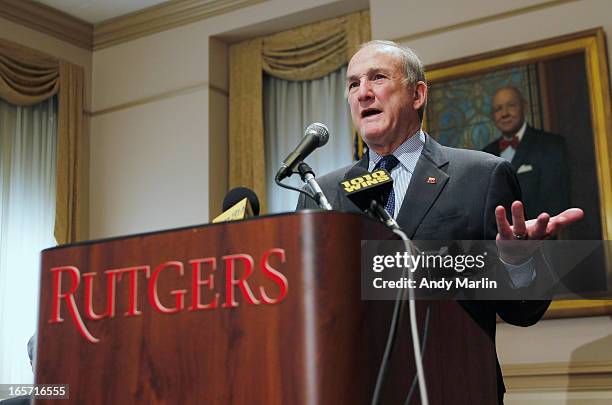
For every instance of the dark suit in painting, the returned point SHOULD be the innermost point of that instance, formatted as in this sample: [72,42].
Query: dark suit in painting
[542,170]
[460,205]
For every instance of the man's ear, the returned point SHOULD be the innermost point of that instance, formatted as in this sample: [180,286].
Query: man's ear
[420,95]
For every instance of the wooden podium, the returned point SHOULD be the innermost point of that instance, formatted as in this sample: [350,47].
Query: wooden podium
[261,311]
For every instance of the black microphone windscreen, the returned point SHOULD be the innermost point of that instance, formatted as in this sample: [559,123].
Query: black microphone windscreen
[363,187]
[235,195]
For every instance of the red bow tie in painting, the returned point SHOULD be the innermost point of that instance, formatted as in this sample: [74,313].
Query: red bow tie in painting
[504,143]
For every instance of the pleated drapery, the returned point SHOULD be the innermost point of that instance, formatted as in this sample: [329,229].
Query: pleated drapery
[289,107]
[28,77]
[304,53]
[28,156]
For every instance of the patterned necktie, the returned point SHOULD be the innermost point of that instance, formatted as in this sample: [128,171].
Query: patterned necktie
[504,143]
[388,163]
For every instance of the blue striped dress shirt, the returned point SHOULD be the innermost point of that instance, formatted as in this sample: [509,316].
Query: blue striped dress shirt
[408,155]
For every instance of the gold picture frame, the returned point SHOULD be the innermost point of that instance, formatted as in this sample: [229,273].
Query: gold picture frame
[592,44]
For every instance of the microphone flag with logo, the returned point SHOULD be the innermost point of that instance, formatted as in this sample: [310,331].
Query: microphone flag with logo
[364,187]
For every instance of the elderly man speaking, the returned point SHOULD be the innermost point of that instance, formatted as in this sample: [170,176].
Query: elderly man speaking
[439,193]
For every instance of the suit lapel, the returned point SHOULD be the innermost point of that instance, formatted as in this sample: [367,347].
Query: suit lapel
[364,162]
[427,181]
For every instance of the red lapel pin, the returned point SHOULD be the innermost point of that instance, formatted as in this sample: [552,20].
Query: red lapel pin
[431,180]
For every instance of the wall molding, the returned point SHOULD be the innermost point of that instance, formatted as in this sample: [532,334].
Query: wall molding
[161,96]
[160,18]
[174,14]
[579,376]
[121,29]
[482,20]
[49,21]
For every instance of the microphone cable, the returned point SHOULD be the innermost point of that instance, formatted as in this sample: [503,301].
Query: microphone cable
[299,190]
[423,347]
[414,329]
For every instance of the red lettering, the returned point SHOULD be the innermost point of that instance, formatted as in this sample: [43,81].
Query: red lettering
[276,276]
[238,269]
[133,297]
[196,269]
[179,294]
[230,281]
[110,297]
[75,276]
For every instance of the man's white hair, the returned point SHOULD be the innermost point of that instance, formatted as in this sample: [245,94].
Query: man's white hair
[410,62]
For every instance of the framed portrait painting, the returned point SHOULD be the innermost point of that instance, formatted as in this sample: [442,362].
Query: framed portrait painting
[563,87]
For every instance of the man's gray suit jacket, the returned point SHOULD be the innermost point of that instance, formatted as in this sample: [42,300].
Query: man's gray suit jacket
[458,205]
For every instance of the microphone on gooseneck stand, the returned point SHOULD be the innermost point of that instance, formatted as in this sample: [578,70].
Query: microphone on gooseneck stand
[316,135]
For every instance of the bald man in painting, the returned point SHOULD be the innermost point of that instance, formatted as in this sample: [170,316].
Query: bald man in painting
[539,158]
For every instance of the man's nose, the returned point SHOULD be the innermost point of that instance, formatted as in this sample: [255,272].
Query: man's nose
[365,90]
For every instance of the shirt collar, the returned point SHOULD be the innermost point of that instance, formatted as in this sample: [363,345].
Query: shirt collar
[521,131]
[407,153]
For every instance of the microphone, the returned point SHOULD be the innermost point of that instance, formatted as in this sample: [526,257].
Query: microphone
[316,135]
[237,194]
[239,203]
[368,191]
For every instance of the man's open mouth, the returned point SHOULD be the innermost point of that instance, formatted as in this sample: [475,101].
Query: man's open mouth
[370,112]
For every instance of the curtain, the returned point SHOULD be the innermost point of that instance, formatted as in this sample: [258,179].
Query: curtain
[290,107]
[304,53]
[28,77]
[246,141]
[28,143]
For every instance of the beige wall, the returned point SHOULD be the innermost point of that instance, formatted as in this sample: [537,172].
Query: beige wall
[148,164]
[218,173]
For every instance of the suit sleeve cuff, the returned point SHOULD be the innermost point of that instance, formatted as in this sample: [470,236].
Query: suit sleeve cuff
[521,275]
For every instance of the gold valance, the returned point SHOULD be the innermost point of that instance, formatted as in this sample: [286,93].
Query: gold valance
[313,51]
[26,77]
